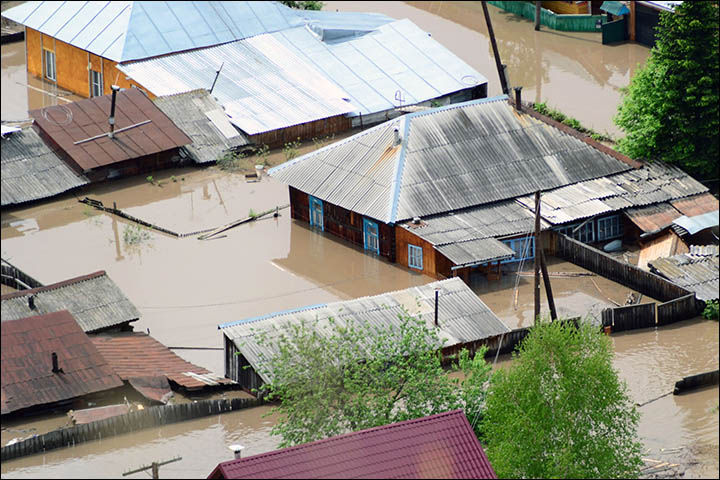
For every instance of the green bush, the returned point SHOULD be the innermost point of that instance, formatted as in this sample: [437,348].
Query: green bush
[711,310]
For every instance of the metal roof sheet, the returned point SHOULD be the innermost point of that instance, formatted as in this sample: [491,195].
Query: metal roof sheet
[94,300]
[653,218]
[262,85]
[696,205]
[697,271]
[31,170]
[452,157]
[130,30]
[462,317]
[472,252]
[27,376]
[202,119]
[136,354]
[76,121]
[692,225]
[438,446]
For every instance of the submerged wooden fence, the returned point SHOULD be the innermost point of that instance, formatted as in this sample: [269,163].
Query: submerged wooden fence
[678,303]
[697,381]
[13,277]
[130,422]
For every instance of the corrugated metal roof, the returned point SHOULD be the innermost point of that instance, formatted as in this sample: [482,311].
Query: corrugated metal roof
[372,67]
[696,205]
[94,300]
[31,170]
[438,446]
[462,317]
[129,30]
[203,120]
[472,252]
[136,354]
[653,183]
[693,225]
[263,86]
[697,271]
[76,121]
[27,376]
[653,218]
[453,157]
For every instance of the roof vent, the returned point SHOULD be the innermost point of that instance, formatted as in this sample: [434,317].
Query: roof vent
[416,220]
[31,302]
[397,136]
[237,450]
[111,120]
[55,368]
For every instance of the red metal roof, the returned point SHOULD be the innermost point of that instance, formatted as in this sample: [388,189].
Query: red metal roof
[136,354]
[653,218]
[27,377]
[438,446]
[66,124]
[697,204]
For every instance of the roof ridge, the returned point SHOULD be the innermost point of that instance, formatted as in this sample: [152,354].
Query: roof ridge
[54,286]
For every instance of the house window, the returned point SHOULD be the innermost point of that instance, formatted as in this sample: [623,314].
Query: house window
[316,212]
[372,238]
[523,248]
[50,65]
[96,84]
[415,257]
[609,227]
[584,232]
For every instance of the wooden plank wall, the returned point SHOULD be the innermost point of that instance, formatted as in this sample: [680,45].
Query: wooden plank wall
[678,309]
[130,422]
[305,131]
[630,317]
[403,238]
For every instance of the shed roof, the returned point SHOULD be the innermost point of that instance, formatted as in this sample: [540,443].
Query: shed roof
[129,30]
[94,300]
[73,122]
[697,271]
[137,354]
[438,446]
[263,85]
[462,317]
[696,205]
[448,158]
[696,223]
[27,376]
[653,218]
[203,120]
[31,170]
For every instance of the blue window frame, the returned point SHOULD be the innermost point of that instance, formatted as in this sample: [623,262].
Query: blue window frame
[609,227]
[415,257]
[524,248]
[316,212]
[371,236]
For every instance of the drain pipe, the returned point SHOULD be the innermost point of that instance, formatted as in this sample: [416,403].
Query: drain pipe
[111,120]
[437,292]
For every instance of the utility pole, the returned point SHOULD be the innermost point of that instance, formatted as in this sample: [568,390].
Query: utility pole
[548,289]
[536,263]
[155,466]
[498,64]
[538,6]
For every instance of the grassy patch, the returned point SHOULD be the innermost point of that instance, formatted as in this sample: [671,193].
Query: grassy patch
[543,109]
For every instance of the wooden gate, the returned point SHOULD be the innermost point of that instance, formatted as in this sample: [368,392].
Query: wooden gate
[613,32]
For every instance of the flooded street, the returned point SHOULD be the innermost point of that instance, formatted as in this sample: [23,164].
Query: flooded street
[185,287]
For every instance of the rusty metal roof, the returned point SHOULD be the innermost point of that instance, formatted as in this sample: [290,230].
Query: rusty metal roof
[88,415]
[462,317]
[94,300]
[449,158]
[697,271]
[653,218]
[27,376]
[31,170]
[696,205]
[73,122]
[438,446]
[136,354]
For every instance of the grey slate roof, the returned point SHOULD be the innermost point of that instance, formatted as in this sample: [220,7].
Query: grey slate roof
[31,170]
[189,112]
[462,317]
[653,183]
[697,271]
[449,158]
[94,300]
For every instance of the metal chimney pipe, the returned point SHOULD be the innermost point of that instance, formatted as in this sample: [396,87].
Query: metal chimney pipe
[397,136]
[111,120]
[31,302]
[237,450]
[518,98]
[437,292]
[55,368]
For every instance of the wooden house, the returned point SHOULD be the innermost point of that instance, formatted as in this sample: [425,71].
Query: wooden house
[451,189]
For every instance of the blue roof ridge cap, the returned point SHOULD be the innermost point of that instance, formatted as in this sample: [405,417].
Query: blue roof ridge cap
[270,315]
[337,144]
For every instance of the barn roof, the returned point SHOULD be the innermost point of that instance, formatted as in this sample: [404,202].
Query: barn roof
[152,131]
[202,119]
[462,317]
[94,300]
[31,170]
[697,270]
[439,446]
[446,159]
[27,376]
[137,354]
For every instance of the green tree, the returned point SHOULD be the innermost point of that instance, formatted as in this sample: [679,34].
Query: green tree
[670,109]
[332,377]
[559,410]
[303,5]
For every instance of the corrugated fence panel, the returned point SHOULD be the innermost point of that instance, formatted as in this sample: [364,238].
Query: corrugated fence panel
[568,23]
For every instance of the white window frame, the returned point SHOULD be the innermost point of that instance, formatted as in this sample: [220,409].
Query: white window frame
[609,227]
[415,257]
[96,88]
[49,66]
